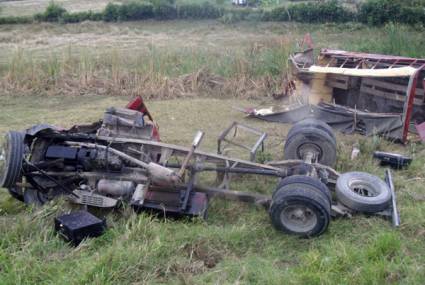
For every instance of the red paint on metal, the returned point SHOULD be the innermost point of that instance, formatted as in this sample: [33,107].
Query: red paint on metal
[139,105]
[410,99]
[360,55]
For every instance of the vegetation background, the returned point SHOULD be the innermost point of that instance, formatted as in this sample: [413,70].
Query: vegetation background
[192,71]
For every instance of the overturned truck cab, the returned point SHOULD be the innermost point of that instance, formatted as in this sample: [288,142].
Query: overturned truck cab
[355,92]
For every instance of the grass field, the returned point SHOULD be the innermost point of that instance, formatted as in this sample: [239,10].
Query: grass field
[174,58]
[68,74]
[236,244]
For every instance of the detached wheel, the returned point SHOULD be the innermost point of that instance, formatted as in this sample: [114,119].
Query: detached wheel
[300,209]
[363,192]
[11,156]
[310,140]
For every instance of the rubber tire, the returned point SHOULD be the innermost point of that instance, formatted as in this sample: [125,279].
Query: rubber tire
[315,136]
[14,156]
[314,200]
[358,202]
[312,122]
[304,180]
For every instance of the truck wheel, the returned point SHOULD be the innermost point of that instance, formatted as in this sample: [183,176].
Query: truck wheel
[11,156]
[300,210]
[313,140]
[363,192]
[306,181]
[312,122]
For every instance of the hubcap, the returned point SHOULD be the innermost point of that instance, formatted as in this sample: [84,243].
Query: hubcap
[298,218]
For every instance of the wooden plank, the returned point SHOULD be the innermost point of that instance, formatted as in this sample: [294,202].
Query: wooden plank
[337,81]
[388,95]
[390,86]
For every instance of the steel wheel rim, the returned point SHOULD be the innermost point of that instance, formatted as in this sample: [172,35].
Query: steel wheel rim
[298,218]
[362,188]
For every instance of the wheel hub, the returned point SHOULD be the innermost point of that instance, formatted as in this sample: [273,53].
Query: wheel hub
[298,218]
[310,149]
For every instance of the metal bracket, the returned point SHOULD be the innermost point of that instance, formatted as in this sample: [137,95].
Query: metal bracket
[235,126]
[92,199]
[189,188]
[394,211]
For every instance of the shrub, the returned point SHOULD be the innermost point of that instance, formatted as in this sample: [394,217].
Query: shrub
[204,10]
[412,15]
[111,13]
[81,16]
[379,12]
[276,14]
[52,13]
[135,11]
[16,20]
[330,11]
[164,9]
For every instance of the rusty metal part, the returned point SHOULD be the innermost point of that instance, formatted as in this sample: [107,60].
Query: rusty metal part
[159,174]
[196,141]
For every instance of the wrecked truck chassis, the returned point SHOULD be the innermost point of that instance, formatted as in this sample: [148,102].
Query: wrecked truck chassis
[104,170]
[204,162]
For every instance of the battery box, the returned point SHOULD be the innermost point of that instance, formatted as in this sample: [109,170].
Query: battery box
[76,226]
[394,160]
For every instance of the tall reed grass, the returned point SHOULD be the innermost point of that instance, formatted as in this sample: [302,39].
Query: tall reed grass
[117,71]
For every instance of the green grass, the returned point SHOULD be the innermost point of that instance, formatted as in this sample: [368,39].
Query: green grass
[236,244]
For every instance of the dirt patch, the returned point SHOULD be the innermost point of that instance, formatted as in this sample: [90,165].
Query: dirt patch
[202,251]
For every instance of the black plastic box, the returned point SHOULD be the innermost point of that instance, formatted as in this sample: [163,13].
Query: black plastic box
[395,160]
[76,226]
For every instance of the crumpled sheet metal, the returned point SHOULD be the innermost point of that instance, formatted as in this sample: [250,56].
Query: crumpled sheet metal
[344,119]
